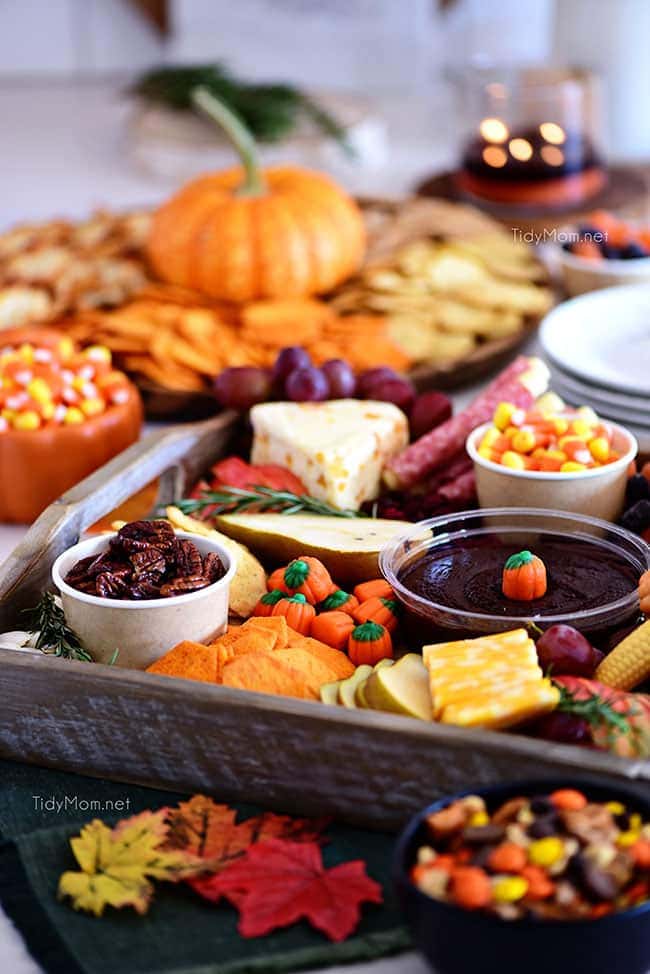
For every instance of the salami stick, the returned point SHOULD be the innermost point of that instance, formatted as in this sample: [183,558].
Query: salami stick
[521,382]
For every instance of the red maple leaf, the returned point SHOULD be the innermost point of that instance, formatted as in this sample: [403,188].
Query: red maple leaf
[210,831]
[279,882]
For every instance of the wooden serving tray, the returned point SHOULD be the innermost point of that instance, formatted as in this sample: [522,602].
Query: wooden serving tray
[368,768]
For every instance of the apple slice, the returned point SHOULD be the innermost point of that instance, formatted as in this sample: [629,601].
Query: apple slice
[360,697]
[347,687]
[329,693]
[382,663]
[401,689]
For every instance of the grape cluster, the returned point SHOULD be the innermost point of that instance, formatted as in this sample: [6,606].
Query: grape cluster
[637,504]
[294,377]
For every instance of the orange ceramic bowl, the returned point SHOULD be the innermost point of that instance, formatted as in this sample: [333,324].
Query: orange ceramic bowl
[37,466]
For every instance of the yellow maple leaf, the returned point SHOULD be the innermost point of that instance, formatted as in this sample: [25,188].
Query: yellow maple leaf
[118,864]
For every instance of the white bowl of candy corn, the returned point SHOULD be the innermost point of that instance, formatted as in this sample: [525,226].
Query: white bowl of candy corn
[552,457]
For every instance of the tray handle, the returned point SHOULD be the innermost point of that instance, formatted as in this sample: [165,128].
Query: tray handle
[183,450]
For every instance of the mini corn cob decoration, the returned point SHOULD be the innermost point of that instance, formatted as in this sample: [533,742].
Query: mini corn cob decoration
[628,664]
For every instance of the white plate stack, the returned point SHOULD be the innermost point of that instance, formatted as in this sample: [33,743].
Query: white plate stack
[598,349]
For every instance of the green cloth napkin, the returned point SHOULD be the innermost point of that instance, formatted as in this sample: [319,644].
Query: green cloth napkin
[41,809]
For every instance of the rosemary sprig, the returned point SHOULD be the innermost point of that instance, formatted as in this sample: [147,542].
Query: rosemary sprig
[54,635]
[256,500]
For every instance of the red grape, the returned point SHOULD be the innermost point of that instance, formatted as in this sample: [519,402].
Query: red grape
[290,358]
[307,385]
[340,377]
[565,651]
[371,376]
[398,391]
[242,387]
[429,410]
[564,728]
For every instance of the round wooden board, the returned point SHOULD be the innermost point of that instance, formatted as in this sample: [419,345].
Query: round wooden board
[483,360]
[627,191]
[392,223]
[167,405]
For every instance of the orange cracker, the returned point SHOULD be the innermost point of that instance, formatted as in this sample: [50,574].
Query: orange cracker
[263,673]
[191,661]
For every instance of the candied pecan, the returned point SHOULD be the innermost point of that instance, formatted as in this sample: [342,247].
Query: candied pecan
[108,561]
[148,562]
[177,586]
[142,589]
[188,558]
[213,568]
[79,571]
[139,535]
[110,586]
[87,585]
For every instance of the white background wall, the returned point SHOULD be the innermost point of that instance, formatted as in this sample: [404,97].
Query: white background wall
[372,45]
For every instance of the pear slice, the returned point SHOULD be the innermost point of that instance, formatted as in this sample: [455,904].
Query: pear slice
[329,693]
[348,546]
[401,689]
[347,687]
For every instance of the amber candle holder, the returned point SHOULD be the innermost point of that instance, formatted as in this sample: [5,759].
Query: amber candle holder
[533,139]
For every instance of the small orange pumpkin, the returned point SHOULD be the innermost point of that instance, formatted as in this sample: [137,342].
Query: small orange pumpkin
[340,601]
[243,233]
[378,587]
[524,577]
[333,629]
[369,643]
[309,577]
[383,611]
[264,606]
[297,611]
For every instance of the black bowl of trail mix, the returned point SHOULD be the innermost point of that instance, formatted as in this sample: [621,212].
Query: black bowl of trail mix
[142,590]
[541,877]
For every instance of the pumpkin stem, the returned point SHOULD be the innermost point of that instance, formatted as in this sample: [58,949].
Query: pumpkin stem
[238,135]
[519,560]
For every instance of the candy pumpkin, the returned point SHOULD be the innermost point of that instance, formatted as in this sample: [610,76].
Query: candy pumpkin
[265,604]
[276,581]
[333,629]
[309,577]
[247,233]
[378,587]
[369,643]
[297,611]
[340,601]
[524,577]
[383,611]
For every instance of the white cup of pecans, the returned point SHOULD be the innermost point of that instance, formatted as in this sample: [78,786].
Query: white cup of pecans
[143,629]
